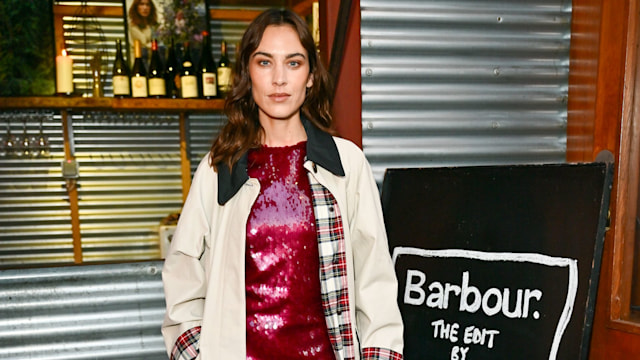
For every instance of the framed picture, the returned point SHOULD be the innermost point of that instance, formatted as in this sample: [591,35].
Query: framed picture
[168,21]
[142,20]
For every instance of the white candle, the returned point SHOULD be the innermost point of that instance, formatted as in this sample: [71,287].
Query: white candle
[64,73]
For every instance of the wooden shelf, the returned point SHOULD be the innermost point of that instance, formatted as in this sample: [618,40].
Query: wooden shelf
[109,103]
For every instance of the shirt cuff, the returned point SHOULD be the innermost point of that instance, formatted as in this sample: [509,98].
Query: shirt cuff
[373,353]
[187,347]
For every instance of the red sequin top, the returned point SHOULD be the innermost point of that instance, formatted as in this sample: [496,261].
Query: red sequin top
[285,319]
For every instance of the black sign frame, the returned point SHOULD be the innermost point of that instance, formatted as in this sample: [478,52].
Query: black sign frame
[542,219]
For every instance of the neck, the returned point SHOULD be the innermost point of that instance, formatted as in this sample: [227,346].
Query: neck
[283,132]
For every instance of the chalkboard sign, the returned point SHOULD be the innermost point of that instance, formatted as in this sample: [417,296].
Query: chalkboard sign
[497,262]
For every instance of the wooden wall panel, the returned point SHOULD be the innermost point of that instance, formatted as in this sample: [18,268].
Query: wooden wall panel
[597,98]
[347,106]
[583,76]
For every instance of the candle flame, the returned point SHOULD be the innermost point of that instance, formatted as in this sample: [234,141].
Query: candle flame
[64,52]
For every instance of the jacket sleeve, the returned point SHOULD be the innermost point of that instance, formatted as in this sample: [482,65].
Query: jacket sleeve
[379,323]
[183,273]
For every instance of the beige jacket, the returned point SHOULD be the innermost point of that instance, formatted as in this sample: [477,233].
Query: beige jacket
[203,273]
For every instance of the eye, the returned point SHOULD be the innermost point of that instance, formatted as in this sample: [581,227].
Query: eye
[294,63]
[263,62]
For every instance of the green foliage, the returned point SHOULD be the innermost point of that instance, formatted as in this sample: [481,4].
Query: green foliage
[27,65]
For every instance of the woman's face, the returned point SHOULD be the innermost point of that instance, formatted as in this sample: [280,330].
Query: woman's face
[279,72]
[144,8]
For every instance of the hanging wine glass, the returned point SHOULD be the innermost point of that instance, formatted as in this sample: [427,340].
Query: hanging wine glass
[43,140]
[10,143]
[33,138]
[24,142]
[3,139]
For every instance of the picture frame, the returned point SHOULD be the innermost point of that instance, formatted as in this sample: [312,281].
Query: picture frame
[166,21]
[142,19]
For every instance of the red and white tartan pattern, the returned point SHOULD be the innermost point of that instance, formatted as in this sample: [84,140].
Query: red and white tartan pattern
[333,270]
[378,353]
[333,278]
[187,347]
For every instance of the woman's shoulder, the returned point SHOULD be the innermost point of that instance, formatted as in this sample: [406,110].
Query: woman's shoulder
[347,147]
[351,155]
[204,167]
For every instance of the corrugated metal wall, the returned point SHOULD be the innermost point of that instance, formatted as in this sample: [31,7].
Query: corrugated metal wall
[130,179]
[450,83]
[34,208]
[82,312]
[202,129]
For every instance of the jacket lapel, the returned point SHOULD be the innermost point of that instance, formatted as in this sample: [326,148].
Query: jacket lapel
[321,150]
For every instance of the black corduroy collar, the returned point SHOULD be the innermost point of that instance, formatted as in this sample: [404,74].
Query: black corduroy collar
[321,150]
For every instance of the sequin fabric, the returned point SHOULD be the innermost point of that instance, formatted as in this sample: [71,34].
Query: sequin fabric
[285,319]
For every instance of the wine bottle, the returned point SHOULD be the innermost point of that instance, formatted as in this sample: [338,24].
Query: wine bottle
[156,73]
[188,78]
[207,70]
[172,73]
[120,74]
[224,71]
[138,73]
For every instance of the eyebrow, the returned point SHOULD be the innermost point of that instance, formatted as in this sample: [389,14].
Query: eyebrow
[271,56]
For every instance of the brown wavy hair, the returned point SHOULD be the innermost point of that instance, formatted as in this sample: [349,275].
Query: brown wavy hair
[139,21]
[243,130]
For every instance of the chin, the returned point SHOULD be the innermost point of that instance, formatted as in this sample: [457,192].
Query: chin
[281,115]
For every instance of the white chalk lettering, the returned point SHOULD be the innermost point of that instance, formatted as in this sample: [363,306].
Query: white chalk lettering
[488,309]
[517,310]
[439,296]
[477,336]
[459,353]
[493,301]
[444,330]
[523,306]
[528,294]
[411,287]
[464,296]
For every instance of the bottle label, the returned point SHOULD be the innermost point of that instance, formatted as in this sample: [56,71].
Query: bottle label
[209,86]
[139,86]
[156,87]
[224,78]
[120,85]
[189,85]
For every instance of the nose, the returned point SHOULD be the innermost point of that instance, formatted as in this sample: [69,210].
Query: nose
[279,75]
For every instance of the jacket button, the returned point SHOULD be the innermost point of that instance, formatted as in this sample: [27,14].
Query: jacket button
[330,208]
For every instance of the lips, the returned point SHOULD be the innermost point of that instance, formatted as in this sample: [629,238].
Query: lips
[279,97]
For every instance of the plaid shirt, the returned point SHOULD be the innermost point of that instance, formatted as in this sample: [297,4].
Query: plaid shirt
[333,278]
[333,283]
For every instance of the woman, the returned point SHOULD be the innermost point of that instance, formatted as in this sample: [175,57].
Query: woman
[143,18]
[280,251]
